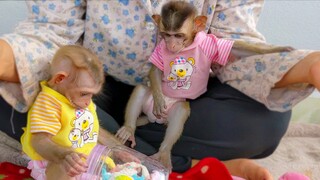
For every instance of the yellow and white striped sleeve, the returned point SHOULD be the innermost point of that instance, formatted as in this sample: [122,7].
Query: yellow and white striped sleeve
[45,115]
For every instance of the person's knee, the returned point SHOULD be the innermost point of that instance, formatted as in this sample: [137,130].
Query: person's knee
[314,72]
[266,142]
[8,71]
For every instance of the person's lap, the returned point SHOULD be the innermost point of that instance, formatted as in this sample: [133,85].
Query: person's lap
[226,124]
[223,123]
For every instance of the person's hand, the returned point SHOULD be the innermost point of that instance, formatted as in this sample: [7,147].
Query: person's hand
[125,134]
[159,106]
[75,164]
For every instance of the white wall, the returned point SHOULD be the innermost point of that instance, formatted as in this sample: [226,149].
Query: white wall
[11,12]
[291,22]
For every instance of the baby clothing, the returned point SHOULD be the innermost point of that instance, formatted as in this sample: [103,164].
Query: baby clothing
[186,73]
[53,113]
[147,108]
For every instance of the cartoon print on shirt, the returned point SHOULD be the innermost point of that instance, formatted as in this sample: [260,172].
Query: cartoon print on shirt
[172,80]
[83,124]
[181,71]
[75,137]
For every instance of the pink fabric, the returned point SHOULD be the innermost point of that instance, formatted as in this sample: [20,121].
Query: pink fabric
[237,178]
[147,108]
[38,169]
[186,74]
[293,176]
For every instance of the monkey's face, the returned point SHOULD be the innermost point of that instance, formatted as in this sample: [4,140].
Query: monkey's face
[80,92]
[175,42]
[179,39]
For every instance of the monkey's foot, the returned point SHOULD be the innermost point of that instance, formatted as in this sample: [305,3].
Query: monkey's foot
[164,157]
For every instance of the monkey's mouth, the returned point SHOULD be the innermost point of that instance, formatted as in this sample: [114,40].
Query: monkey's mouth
[175,50]
[73,104]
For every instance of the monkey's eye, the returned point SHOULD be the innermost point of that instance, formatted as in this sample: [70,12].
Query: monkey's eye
[83,94]
[165,35]
[179,36]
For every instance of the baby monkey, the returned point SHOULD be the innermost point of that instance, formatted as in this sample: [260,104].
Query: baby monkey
[180,71]
[62,125]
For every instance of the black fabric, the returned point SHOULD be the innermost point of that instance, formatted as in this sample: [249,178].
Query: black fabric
[11,121]
[113,98]
[224,123]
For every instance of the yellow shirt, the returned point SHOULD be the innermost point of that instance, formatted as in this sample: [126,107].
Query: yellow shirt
[52,113]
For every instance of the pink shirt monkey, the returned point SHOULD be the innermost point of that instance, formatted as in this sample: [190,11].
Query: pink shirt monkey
[186,73]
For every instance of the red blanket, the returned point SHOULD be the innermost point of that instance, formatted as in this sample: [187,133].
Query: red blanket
[9,171]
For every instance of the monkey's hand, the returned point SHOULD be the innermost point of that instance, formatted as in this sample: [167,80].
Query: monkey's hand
[159,106]
[126,133]
[125,155]
[75,163]
[164,157]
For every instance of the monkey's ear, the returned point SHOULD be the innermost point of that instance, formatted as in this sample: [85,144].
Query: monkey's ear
[156,18]
[59,77]
[200,23]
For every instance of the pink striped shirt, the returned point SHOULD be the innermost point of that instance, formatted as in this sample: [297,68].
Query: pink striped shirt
[186,74]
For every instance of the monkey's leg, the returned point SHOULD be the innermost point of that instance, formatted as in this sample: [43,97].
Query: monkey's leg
[56,171]
[142,120]
[134,106]
[176,118]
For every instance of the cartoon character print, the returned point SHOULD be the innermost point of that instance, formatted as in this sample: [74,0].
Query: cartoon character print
[172,80]
[180,74]
[82,131]
[75,137]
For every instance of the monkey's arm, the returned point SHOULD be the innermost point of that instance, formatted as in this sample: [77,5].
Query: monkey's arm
[51,151]
[155,81]
[132,114]
[107,139]
[72,161]
[259,48]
